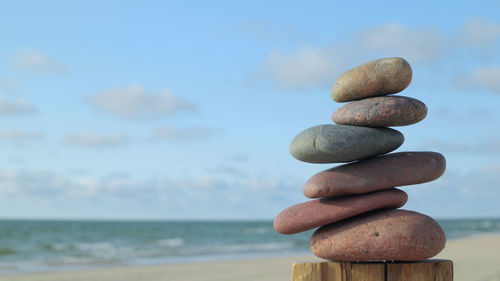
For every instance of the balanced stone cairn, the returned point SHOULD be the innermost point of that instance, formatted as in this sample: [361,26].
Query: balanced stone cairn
[357,211]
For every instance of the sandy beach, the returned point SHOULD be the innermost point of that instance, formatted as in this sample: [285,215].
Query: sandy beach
[475,259]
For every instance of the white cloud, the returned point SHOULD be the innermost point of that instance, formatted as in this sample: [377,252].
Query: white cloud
[474,193]
[17,136]
[234,197]
[183,134]
[313,67]
[469,193]
[228,170]
[93,140]
[445,146]
[487,146]
[471,115]
[305,68]
[38,183]
[318,66]
[238,157]
[36,61]
[15,107]
[393,39]
[135,102]
[481,33]
[485,77]
[9,84]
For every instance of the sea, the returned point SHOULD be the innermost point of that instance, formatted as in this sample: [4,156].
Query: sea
[59,245]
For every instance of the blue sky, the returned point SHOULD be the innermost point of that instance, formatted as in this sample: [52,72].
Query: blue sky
[185,110]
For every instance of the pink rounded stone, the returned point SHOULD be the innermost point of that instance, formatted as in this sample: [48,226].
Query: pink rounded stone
[315,213]
[382,235]
[387,171]
[381,112]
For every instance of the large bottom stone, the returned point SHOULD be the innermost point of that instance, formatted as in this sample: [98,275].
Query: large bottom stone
[315,213]
[381,235]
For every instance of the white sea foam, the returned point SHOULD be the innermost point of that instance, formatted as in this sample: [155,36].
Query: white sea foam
[259,246]
[99,246]
[240,248]
[172,242]
[59,246]
[256,230]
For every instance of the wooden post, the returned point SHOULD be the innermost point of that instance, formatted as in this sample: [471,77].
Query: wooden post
[428,270]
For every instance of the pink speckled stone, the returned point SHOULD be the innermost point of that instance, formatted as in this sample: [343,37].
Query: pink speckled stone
[381,112]
[387,171]
[315,213]
[381,235]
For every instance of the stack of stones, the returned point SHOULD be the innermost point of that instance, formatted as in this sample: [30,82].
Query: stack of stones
[357,211]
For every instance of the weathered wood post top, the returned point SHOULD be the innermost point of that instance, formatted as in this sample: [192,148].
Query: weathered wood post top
[427,270]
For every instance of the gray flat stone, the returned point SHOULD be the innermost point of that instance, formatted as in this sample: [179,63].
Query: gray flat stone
[342,143]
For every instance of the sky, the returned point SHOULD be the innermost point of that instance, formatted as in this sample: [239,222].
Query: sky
[186,109]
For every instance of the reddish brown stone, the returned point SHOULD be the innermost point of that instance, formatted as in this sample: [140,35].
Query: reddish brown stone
[315,213]
[381,235]
[381,112]
[375,78]
[387,171]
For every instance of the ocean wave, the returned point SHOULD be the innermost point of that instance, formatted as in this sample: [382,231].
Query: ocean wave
[172,242]
[257,230]
[98,246]
[239,248]
[272,246]
[67,260]
[56,247]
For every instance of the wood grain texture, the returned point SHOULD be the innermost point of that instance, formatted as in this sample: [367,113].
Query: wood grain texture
[431,270]
[428,270]
[338,271]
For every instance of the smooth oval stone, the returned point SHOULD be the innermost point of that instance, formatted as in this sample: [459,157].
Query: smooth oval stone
[387,171]
[342,143]
[381,235]
[315,213]
[375,78]
[381,112]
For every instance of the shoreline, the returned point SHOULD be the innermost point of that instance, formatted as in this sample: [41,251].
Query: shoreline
[6,270]
[155,262]
[475,258]
[166,261]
